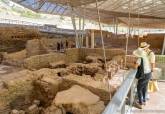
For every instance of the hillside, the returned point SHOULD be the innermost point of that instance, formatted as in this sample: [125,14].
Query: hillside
[9,8]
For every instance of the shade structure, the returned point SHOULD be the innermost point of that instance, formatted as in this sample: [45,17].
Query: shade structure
[148,13]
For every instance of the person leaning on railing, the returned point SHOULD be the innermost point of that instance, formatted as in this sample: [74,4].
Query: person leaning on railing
[151,56]
[143,75]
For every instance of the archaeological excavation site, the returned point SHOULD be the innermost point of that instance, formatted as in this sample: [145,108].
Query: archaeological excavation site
[82,57]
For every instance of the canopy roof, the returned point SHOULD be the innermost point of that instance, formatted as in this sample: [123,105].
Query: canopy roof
[143,13]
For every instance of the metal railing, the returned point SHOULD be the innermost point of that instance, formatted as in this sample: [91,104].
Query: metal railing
[18,22]
[40,27]
[126,92]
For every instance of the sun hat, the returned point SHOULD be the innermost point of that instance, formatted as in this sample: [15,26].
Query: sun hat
[139,52]
[144,45]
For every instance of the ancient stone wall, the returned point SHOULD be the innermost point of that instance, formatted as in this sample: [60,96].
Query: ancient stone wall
[110,53]
[45,45]
[42,61]
[69,56]
[13,39]
[33,47]
[119,41]
[15,59]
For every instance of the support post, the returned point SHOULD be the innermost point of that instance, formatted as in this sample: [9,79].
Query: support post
[79,34]
[116,27]
[163,48]
[74,26]
[87,41]
[83,30]
[92,38]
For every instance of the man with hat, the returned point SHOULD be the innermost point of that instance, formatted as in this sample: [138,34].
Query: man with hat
[151,56]
[142,84]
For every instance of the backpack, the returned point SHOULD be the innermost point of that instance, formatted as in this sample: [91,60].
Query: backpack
[140,71]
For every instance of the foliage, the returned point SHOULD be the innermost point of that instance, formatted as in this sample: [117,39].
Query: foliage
[17,9]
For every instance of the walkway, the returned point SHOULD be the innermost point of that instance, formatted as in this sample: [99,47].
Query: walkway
[156,104]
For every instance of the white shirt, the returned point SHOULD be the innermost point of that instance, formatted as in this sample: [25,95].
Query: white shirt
[151,57]
[146,64]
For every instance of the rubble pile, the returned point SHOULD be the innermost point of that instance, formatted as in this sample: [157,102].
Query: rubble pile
[97,87]
[77,88]
[87,69]
[75,100]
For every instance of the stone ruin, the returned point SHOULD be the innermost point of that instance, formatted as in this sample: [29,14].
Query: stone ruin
[74,88]
[59,83]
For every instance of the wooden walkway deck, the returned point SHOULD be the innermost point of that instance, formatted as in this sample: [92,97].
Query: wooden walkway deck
[156,104]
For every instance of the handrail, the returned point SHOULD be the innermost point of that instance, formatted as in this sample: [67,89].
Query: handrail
[40,27]
[13,21]
[117,104]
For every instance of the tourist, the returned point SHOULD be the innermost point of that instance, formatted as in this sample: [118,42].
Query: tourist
[66,44]
[58,46]
[151,57]
[143,75]
[150,54]
[62,46]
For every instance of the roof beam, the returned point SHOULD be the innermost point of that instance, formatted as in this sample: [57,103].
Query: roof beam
[40,6]
[21,1]
[120,14]
[74,3]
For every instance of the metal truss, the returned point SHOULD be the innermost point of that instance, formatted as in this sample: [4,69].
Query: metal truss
[147,10]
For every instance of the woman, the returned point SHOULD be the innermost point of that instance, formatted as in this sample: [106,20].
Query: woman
[144,67]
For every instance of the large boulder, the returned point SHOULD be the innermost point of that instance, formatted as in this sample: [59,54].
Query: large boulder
[78,100]
[48,83]
[76,95]
[97,87]
[45,89]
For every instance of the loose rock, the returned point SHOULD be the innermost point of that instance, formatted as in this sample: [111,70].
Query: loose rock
[46,88]
[78,100]
[54,110]
[60,64]
[14,112]
[33,109]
